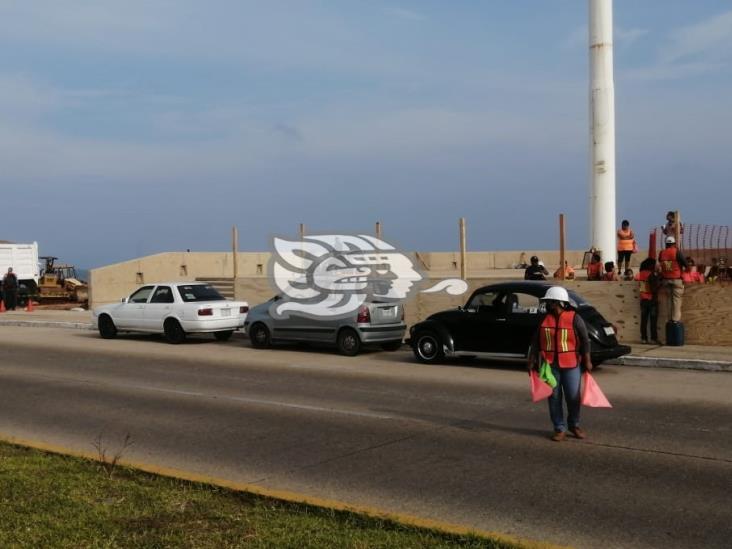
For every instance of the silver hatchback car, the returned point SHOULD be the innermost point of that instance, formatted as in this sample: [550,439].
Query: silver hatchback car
[379,324]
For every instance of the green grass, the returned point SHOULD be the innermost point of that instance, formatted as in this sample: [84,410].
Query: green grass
[48,500]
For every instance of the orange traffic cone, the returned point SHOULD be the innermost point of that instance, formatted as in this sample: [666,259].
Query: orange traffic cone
[2,305]
[29,306]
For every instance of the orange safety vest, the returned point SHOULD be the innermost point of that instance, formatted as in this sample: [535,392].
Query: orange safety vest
[559,337]
[625,240]
[645,288]
[670,268]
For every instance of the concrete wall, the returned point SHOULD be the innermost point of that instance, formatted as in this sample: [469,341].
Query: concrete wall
[707,308]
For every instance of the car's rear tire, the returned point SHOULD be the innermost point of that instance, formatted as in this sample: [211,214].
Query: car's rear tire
[349,344]
[106,326]
[259,336]
[427,347]
[392,346]
[223,336]
[174,332]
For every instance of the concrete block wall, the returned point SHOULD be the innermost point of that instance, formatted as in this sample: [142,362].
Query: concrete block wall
[707,308]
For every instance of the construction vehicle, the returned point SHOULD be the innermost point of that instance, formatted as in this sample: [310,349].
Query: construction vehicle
[58,283]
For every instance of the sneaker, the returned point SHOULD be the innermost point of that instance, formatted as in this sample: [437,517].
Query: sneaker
[657,342]
[578,432]
[559,436]
[644,341]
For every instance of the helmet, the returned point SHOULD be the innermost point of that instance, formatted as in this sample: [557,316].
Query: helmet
[670,240]
[556,293]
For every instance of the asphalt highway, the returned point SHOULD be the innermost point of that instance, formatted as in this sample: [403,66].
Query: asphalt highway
[459,443]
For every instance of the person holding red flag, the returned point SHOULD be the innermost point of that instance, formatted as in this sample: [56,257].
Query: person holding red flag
[562,342]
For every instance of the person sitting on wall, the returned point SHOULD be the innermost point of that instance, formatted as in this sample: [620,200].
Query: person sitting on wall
[535,271]
[691,275]
[594,269]
[610,274]
[568,271]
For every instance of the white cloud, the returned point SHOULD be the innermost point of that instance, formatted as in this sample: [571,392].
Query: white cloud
[710,39]
[694,50]
[404,13]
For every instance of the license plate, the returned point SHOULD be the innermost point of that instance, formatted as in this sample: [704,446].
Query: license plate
[609,330]
[225,312]
[389,311]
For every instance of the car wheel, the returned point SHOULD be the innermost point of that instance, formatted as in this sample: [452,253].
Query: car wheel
[259,336]
[427,347]
[392,346]
[223,336]
[174,331]
[106,326]
[349,343]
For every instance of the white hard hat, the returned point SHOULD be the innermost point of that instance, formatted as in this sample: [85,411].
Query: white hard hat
[670,240]
[556,293]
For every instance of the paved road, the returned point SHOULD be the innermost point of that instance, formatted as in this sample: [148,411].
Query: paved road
[459,443]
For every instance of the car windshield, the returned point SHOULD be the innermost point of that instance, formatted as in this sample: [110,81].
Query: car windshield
[199,292]
[576,299]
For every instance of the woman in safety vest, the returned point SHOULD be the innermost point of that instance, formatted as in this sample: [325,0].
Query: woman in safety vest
[562,343]
[626,244]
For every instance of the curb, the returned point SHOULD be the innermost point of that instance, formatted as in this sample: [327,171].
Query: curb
[48,324]
[628,360]
[677,363]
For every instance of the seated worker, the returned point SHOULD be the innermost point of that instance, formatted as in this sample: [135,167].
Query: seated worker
[535,271]
[714,271]
[610,274]
[690,275]
[568,272]
[594,269]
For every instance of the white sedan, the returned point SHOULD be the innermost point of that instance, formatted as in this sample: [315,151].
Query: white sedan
[174,309]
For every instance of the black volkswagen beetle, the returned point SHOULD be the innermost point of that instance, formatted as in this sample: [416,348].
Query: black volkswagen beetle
[499,322]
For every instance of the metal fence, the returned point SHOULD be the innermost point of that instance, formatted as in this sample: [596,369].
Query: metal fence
[703,243]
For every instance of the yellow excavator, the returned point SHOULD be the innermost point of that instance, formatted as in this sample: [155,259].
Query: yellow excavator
[59,283]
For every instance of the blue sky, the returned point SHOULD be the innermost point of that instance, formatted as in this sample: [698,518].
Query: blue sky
[139,126]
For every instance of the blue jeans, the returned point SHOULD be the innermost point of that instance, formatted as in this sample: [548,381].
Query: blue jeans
[568,382]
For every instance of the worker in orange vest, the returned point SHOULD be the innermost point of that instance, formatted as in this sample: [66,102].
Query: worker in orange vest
[648,289]
[563,343]
[594,269]
[626,244]
[672,266]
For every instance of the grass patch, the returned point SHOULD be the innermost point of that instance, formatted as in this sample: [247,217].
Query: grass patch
[48,500]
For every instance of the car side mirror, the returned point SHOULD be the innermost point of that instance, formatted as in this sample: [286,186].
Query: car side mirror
[124,299]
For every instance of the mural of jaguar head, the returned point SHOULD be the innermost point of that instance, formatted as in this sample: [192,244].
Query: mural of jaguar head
[331,276]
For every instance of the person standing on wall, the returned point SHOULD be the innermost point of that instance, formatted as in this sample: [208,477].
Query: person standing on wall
[563,343]
[10,289]
[626,245]
[670,228]
[648,290]
[672,266]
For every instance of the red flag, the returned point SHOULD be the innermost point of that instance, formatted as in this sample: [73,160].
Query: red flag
[539,389]
[592,396]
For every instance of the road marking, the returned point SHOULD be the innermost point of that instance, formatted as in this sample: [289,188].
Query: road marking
[290,496]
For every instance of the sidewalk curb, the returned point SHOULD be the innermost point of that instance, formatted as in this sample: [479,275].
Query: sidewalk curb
[48,324]
[677,363]
[628,360]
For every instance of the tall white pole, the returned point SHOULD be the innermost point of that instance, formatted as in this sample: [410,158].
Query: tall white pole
[602,129]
